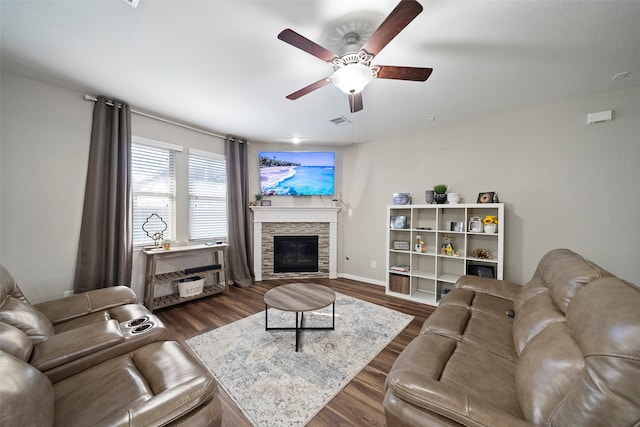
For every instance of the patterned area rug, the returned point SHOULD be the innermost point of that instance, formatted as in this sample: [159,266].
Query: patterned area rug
[274,385]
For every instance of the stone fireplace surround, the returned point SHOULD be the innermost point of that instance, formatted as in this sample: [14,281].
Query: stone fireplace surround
[292,220]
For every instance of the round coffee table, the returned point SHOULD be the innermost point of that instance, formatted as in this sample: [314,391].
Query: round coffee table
[299,297]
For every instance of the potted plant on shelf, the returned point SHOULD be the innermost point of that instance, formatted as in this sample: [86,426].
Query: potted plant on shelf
[258,201]
[261,201]
[440,193]
[490,224]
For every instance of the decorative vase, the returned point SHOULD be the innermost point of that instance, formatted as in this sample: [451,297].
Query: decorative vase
[490,228]
[428,196]
[453,198]
[440,198]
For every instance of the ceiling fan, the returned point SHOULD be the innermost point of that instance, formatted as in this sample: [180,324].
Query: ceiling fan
[353,69]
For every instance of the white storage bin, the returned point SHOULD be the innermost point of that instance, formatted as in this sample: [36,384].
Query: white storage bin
[190,287]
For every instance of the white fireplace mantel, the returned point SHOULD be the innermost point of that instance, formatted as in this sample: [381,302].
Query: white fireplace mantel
[283,214]
[294,214]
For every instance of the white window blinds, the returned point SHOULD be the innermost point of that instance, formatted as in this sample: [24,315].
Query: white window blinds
[207,195]
[153,170]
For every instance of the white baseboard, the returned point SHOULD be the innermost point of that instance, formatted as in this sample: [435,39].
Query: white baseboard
[362,279]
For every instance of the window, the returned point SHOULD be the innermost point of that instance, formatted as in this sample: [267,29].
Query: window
[207,195]
[153,170]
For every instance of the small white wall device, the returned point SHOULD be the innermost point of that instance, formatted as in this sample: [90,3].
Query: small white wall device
[600,117]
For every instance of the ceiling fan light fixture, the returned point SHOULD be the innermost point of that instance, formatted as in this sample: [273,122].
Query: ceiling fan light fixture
[353,69]
[352,78]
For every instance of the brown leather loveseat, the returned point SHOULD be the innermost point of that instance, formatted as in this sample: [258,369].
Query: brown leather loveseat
[561,350]
[98,359]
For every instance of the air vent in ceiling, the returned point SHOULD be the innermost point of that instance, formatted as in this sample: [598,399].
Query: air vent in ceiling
[340,121]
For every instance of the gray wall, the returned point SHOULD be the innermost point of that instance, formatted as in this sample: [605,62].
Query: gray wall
[45,147]
[44,153]
[565,184]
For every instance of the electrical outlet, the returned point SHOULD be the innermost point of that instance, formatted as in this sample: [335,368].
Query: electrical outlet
[68,293]
[374,264]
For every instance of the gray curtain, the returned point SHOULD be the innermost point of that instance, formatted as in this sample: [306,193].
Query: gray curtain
[105,249]
[238,211]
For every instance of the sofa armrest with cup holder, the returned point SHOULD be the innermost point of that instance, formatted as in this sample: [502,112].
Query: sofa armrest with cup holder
[72,351]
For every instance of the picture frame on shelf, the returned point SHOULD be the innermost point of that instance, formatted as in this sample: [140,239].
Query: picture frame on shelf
[488,197]
[401,245]
[457,226]
[475,226]
[399,222]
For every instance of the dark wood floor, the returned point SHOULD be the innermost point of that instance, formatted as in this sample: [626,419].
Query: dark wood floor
[360,402]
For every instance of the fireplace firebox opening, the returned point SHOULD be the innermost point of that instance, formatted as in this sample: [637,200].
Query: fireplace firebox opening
[295,254]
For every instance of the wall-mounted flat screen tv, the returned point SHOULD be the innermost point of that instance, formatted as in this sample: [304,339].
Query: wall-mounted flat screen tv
[297,173]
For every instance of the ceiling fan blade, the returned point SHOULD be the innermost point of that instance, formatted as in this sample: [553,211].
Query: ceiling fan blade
[303,43]
[355,102]
[399,18]
[404,73]
[305,90]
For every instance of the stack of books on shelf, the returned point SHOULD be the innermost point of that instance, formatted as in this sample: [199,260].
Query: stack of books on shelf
[399,268]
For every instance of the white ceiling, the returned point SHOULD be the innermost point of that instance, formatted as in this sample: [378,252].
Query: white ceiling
[219,65]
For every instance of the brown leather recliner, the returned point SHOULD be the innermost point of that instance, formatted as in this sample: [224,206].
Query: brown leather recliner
[569,356]
[70,334]
[158,384]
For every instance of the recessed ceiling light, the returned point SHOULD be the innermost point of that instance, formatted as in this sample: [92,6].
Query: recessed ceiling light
[620,76]
[295,140]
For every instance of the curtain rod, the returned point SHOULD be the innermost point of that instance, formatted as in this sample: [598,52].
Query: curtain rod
[160,119]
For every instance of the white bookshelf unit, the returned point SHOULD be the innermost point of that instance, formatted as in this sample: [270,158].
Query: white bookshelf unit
[423,276]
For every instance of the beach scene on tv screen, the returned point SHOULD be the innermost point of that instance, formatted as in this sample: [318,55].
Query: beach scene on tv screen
[297,173]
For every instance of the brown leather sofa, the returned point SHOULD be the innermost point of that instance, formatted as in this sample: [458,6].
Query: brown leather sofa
[98,359]
[569,356]
[70,334]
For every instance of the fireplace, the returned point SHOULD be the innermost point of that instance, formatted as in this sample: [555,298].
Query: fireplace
[272,221]
[295,254]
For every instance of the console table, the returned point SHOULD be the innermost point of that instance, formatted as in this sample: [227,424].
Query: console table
[218,269]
